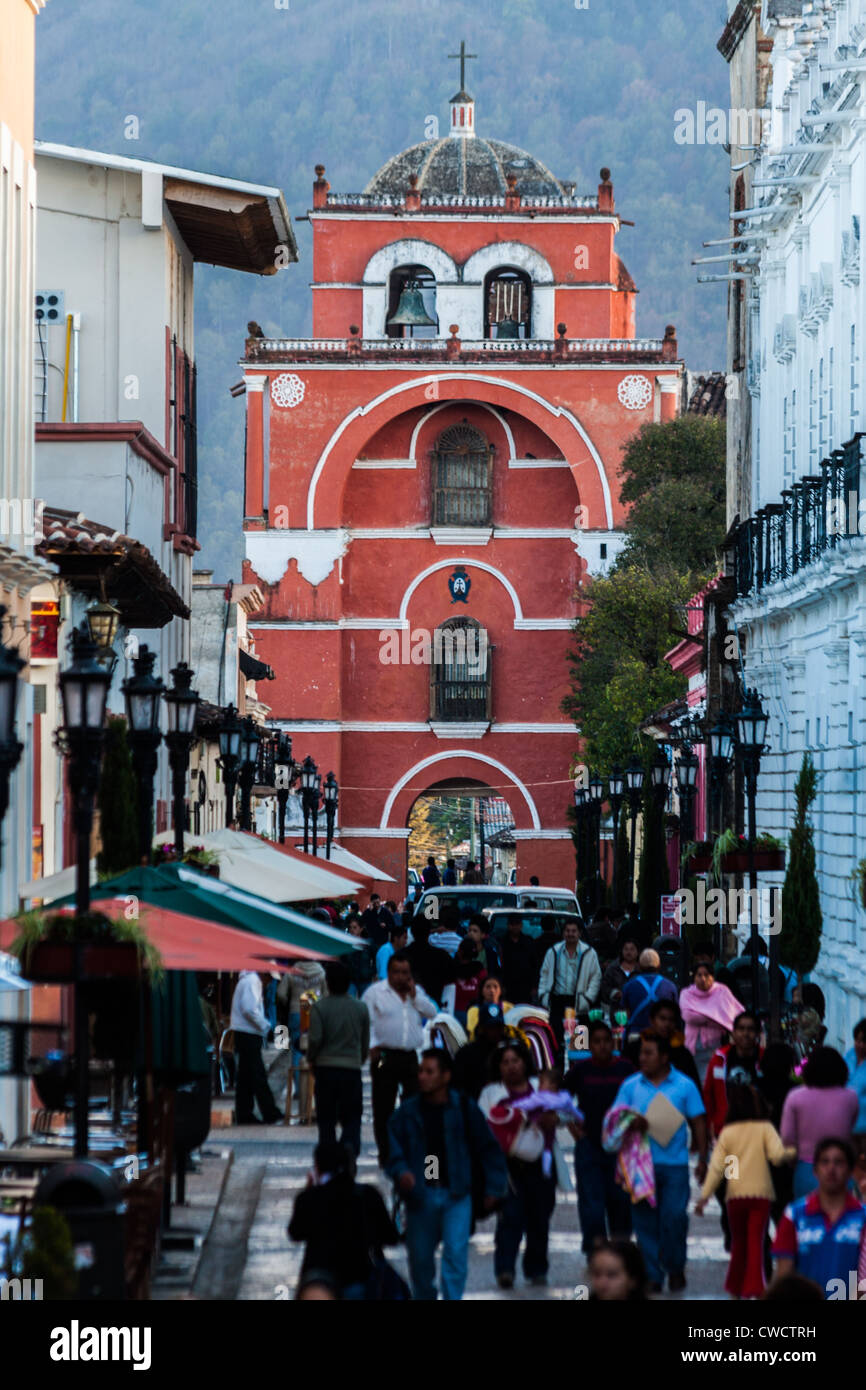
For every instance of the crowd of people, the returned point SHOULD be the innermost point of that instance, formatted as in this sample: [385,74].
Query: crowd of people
[775,1134]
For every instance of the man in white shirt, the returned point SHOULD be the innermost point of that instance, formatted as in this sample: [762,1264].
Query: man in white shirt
[250,1026]
[570,979]
[397,1008]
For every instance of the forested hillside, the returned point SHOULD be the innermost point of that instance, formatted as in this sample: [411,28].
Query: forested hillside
[265,89]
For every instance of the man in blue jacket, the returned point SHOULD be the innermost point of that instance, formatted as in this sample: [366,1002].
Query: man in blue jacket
[435,1140]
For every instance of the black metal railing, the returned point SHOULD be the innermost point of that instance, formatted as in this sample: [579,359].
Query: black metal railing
[460,699]
[818,513]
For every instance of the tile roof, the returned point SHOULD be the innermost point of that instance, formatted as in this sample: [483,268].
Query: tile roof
[89,554]
[708,396]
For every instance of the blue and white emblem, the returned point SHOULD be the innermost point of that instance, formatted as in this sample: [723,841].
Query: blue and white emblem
[459,585]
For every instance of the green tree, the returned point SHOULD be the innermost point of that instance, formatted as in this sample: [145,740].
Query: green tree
[116,801]
[618,671]
[673,476]
[800,942]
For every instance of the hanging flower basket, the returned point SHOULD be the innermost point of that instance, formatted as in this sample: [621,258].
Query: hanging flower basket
[53,962]
[764,860]
[109,949]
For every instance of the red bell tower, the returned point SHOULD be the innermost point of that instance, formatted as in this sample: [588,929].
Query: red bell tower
[428,477]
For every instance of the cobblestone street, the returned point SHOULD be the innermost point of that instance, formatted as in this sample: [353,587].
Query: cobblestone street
[247,1254]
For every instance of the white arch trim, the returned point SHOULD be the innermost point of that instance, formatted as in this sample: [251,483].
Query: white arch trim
[458,753]
[410,251]
[442,406]
[508,253]
[556,411]
[468,564]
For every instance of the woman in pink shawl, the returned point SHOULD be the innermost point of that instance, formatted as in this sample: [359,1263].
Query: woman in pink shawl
[708,1011]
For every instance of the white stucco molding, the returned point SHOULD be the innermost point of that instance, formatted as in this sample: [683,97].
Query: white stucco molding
[443,405]
[467,564]
[513,387]
[316,552]
[507,253]
[450,754]
[541,834]
[410,251]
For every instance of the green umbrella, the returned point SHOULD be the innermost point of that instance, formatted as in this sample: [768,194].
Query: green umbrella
[184,889]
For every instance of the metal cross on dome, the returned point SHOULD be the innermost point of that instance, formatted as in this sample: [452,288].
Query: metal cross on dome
[463,56]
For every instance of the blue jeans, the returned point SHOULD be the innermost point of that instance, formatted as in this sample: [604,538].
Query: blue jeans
[662,1230]
[439,1217]
[603,1206]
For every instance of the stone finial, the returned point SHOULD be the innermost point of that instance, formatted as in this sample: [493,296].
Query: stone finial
[452,347]
[320,188]
[605,192]
[512,197]
[413,196]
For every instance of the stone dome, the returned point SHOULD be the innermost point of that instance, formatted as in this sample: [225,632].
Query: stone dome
[474,168]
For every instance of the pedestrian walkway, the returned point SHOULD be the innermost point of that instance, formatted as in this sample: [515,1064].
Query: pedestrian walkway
[248,1255]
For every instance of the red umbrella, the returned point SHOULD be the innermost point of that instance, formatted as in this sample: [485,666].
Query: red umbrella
[191,943]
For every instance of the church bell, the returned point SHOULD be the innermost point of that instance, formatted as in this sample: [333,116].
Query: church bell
[410,312]
[508,328]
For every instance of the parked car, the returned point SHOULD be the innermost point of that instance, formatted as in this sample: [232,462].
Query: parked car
[413,879]
[534,921]
[473,898]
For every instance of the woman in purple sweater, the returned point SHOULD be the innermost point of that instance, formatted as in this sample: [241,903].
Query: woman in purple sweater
[823,1107]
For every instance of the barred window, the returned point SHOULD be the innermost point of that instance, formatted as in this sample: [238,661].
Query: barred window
[462,478]
[460,686]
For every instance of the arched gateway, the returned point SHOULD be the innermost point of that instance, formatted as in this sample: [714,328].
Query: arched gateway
[409,482]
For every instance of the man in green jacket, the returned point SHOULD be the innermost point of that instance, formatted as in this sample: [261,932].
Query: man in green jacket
[337,1047]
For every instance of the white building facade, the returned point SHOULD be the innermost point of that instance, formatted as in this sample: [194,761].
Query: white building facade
[800,556]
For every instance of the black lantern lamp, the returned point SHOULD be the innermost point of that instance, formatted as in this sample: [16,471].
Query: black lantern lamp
[660,774]
[332,796]
[142,694]
[616,784]
[251,738]
[103,621]
[230,735]
[721,741]
[84,688]
[284,771]
[182,704]
[310,783]
[752,724]
[10,749]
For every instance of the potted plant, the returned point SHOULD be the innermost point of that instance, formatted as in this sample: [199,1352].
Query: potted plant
[767,854]
[111,948]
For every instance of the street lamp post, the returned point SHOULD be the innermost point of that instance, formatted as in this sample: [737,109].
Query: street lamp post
[616,785]
[581,796]
[310,784]
[83,693]
[721,740]
[182,703]
[230,733]
[141,693]
[596,792]
[634,793]
[331,793]
[687,778]
[751,743]
[283,774]
[250,743]
[10,749]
